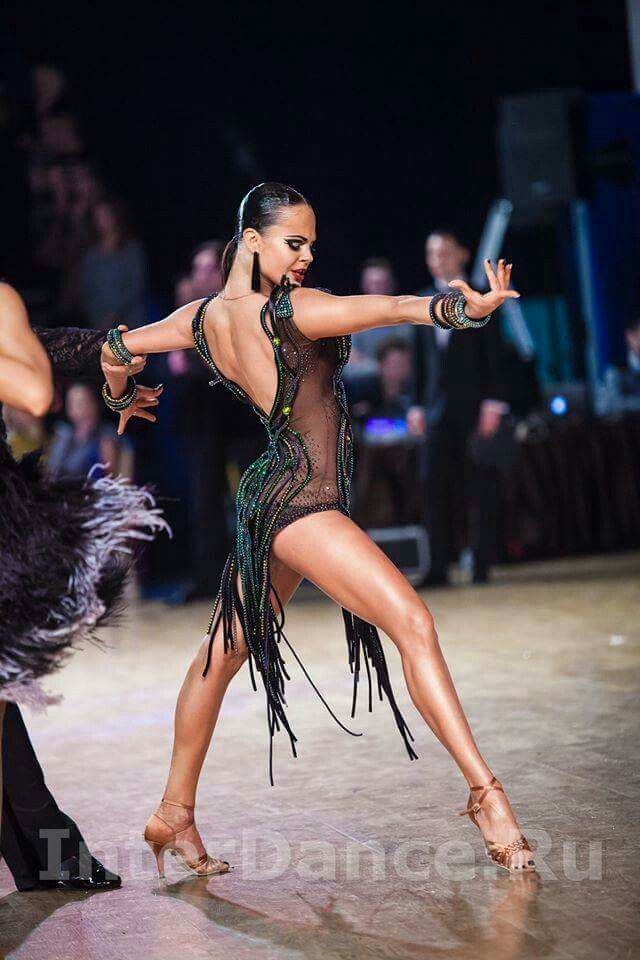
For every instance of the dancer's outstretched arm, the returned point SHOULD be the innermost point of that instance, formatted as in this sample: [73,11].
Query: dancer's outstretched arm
[174,332]
[320,314]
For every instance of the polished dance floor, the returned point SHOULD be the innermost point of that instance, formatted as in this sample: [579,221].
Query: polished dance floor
[357,852]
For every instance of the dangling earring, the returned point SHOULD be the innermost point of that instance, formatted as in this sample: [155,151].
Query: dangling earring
[255,273]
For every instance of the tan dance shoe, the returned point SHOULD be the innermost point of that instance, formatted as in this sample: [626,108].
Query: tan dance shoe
[501,854]
[162,837]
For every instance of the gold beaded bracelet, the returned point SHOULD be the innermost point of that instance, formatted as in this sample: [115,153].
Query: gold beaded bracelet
[120,403]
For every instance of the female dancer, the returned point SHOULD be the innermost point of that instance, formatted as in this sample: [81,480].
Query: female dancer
[281,348]
[65,553]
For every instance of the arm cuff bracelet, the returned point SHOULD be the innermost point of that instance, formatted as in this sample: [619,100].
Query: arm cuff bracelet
[123,402]
[453,315]
[117,347]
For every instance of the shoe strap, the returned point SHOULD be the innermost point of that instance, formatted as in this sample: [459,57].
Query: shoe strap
[485,787]
[200,862]
[176,803]
[159,816]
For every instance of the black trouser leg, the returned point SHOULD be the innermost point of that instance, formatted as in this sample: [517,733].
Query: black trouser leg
[35,832]
[485,535]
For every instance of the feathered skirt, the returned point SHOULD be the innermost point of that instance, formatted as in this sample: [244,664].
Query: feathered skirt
[66,550]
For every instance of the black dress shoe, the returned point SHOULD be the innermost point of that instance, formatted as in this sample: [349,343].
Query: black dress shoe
[74,876]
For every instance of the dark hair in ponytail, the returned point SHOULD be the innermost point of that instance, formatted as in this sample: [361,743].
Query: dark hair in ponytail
[259,209]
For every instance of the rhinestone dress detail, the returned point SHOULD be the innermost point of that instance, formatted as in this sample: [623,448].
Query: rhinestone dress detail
[307,467]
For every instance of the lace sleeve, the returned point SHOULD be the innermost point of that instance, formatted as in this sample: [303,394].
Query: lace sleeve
[73,352]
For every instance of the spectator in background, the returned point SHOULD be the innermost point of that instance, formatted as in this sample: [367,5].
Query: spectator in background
[54,143]
[66,231]
[63,191]
[49,86]
[377,277]
[622,383]
[85,440]
[206,275]
[113,272]
[387,393]
[461,390]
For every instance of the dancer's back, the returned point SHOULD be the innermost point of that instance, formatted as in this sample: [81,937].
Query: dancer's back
[303,398]
[240,348]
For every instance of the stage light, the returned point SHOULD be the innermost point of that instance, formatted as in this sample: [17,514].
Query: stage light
[558,405]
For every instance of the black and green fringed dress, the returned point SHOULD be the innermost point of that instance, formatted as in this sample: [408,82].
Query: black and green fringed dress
[306,467]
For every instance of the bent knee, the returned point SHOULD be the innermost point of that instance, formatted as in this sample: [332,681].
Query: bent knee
[234,657]
[417,632]
[228,661]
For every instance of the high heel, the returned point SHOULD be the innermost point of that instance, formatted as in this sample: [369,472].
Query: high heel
[501,854]
[158,852]
[162,836]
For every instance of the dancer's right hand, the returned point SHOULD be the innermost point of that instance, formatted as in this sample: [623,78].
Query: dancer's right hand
[480,305]
[146,397]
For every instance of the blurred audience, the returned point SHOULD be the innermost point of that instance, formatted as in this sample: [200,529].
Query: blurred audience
[85,440]
[622,383]
[65,231]
[461,392]
[206,269]
[113,271]
[203,278]
[377,277]
[387,392]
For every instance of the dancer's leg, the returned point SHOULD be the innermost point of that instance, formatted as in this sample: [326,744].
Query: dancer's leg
[30,811]
[341,559]
[200,698]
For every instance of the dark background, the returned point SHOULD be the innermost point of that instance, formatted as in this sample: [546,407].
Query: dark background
[385,119]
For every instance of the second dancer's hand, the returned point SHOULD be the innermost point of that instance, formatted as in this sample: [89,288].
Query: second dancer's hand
[480,305]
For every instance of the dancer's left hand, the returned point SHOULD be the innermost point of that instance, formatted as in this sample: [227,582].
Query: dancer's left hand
[480,305]
[146,397]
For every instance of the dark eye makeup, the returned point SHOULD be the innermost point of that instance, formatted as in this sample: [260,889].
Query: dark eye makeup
[296,244]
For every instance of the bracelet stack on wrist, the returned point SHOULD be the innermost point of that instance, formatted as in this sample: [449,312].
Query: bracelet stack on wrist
[117,347]
[453,315]
[123,402]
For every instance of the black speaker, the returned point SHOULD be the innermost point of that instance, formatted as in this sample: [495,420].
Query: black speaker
[539,136]
[408,547]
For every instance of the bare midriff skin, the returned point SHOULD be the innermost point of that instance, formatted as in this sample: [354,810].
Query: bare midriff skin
[322,546]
